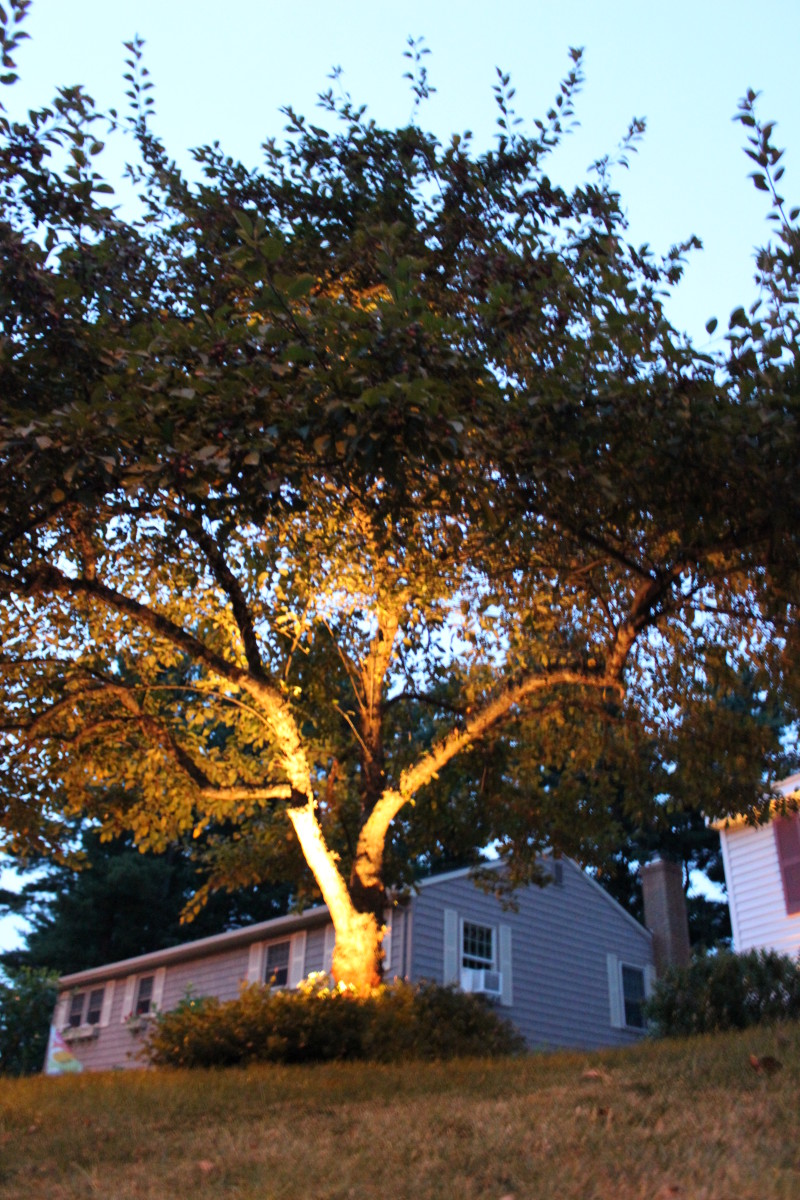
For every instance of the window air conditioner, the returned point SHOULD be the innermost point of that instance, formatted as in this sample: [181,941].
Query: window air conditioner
[482,981]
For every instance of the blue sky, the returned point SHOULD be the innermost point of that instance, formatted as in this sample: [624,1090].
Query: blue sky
[224,71]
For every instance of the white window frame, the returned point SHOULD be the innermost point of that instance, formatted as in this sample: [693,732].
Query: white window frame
[616,990]
[84,1028]
[478,962]
[454,923]
[276,970]
[131,996]
[258,953]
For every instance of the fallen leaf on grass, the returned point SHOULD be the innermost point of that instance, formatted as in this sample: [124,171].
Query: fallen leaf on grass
[205,1165]
[766,1065]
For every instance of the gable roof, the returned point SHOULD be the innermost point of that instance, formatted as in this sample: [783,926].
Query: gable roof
[496,864]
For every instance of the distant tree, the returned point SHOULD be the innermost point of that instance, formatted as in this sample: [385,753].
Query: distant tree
[296,455]
[122,903]
[27,998]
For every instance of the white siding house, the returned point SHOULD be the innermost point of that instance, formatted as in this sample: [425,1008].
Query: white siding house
[568,966]
[762,874]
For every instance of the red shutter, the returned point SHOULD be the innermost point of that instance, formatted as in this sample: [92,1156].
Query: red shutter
[787,840]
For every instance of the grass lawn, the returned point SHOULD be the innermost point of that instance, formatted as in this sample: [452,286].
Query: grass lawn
[682,1120]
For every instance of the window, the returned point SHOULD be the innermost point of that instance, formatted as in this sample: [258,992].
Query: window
[85,1009]
[628,988]
[76,1010]
[94,1008]
[83,1013]
[633,996]
[277,968]
[144,996]
[477,946]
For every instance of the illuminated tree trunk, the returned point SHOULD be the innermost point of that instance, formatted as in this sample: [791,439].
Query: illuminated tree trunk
[357,955]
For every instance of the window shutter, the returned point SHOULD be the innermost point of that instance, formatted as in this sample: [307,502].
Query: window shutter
[451,955]
[504,961]
[386,944]
[130,992]
[108,1000]
[615,992]
[60,1015]
[330,942]
[297,959]
[649,981]
[159,980]
[255,963]
[787,841]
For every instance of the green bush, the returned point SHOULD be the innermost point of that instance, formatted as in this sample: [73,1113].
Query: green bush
[726,991]
[27,1000]
[320,1023]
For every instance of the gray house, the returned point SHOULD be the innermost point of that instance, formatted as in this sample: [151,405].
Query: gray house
[569,966]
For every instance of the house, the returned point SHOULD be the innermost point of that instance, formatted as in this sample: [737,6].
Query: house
[567,965]
[762,873]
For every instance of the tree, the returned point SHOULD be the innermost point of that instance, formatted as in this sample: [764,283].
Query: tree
[122,903]
[26,1007]
[316,477]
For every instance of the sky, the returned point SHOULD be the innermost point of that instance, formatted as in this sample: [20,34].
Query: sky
[224,72]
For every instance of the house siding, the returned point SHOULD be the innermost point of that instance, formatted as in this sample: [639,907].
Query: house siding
[219,974]
[559,954]
[755,892]
[561,937]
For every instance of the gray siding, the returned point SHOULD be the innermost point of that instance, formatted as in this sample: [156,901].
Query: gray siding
[561,939]
[562,945]
[117,1041]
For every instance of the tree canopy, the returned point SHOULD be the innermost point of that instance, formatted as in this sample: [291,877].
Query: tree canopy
[318,476]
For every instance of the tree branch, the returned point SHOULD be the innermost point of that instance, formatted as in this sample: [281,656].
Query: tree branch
[231,587]
[48,578]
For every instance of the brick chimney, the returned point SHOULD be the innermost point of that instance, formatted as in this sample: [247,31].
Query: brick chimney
[665,914]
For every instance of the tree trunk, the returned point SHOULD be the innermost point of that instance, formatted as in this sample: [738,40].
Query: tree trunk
[357,956]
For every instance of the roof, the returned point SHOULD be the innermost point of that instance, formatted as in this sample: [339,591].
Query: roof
[496,864]
[218,943]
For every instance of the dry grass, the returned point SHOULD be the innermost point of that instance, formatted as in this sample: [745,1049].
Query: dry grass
[669,1121]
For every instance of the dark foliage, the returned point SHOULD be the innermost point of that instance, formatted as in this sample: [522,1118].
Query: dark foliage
[726,991]
[26,1005]
[319,1024]
[124,903]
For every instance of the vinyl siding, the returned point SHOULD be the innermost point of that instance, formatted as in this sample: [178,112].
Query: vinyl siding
[561,937]
[755,892]
[557,991]
[209,974]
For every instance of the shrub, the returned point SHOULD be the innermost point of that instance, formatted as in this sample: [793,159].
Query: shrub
[726,991]
[321,1023]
